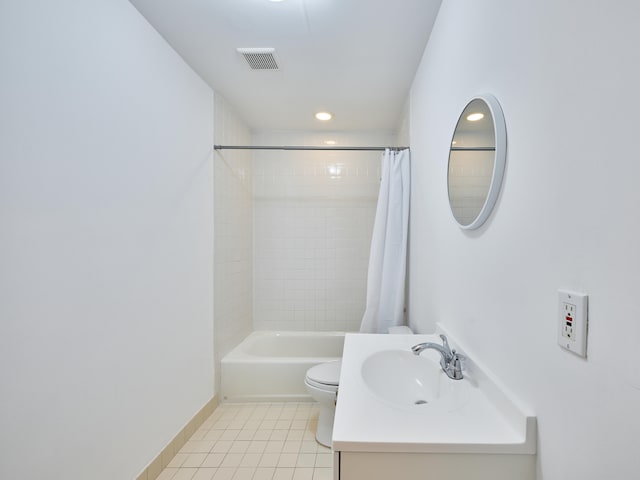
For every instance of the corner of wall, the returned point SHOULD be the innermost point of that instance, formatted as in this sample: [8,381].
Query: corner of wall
[233,232]
[162,460]
[404,125]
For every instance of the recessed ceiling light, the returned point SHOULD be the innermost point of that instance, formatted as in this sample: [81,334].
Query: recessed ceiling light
[474,117]
[329,142]
[324,116]
[275,1]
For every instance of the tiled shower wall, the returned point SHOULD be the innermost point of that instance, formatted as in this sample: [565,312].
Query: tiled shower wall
[233,213]
[313,218]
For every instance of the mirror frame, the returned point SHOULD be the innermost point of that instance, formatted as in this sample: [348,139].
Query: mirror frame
[500,159]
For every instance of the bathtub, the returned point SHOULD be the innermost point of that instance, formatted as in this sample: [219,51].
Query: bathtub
[271,366]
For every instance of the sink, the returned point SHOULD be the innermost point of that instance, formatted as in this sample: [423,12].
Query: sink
[400,412]
[392,402]
[411,381]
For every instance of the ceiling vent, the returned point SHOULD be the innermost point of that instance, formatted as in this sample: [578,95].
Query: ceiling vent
[260,58]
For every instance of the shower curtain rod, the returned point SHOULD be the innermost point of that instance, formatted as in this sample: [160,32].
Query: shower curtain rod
[282,147]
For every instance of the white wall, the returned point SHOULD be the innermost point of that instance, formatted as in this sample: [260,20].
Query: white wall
[313,218]
[233,230]
[105,241]
[565,74]
[404,126]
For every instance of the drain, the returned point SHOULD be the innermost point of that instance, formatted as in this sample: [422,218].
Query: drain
[420,402]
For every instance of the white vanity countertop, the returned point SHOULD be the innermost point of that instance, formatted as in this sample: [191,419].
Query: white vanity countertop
[485,422]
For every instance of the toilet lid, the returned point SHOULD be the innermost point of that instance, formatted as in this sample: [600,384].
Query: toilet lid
[326,373]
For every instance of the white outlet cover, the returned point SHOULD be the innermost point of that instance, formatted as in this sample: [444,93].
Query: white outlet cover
[574,337]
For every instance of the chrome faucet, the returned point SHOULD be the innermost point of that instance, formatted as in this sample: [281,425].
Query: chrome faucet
[451,362]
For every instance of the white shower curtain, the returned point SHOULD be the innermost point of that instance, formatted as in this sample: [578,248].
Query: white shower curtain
[388,257]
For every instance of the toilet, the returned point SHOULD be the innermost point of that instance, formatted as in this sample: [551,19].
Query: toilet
[322,382]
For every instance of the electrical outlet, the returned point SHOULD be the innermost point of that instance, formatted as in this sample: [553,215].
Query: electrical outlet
[573,322]
[569,311]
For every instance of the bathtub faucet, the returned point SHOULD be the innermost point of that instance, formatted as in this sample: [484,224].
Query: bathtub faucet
[450,361]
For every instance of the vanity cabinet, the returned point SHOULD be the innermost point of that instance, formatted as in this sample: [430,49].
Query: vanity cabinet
[436,466]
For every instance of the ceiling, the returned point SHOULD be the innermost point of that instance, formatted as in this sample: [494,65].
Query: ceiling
[353,58]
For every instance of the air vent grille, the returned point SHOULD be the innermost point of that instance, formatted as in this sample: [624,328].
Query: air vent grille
[260,58]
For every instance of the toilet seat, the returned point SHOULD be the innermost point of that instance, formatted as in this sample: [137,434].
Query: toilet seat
[325,376]
[321,386]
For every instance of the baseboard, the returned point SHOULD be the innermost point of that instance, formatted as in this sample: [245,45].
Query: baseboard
[158,464]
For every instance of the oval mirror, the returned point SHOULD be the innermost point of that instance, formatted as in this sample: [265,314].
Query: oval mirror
[476,161]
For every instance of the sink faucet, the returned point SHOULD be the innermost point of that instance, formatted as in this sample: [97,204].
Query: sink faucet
[451,362]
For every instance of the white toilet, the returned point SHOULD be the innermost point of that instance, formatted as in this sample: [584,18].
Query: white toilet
[322,384]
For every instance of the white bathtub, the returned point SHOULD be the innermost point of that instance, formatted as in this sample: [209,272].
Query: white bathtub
[271,366]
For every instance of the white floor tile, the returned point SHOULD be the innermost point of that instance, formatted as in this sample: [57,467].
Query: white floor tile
[222,446]
[306,460]
[283,474]
[269,460]
[194,460]
[239,446]
[274,446]
[184,474]
[282,425]
[262,435]
[292,446]
[324,460]
[224,474]
[232,460]
[246,435]
[213,460]
[244,473]
[204,474]
[253,441]
[267,425]
[287,460]
[298,425]
[281,435]
[322,474]
[295,434]
[229,434]
[263,473]
[309,447]
[303,474]
[257,446]
[213,435]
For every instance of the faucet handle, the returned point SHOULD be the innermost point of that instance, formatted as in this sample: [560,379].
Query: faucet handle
[455,372]
[445,342]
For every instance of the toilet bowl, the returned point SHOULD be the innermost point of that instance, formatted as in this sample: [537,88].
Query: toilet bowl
[321,382]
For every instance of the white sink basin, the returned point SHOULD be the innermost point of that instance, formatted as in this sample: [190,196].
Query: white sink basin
[415,381]
[391,400]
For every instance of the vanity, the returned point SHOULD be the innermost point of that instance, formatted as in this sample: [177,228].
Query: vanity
[400,416]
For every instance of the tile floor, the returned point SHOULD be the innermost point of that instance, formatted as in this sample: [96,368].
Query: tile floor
[254,441]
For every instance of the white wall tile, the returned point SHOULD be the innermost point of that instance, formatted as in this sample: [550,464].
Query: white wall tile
[313,217]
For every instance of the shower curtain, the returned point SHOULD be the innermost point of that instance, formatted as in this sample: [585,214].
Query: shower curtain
[388,257]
